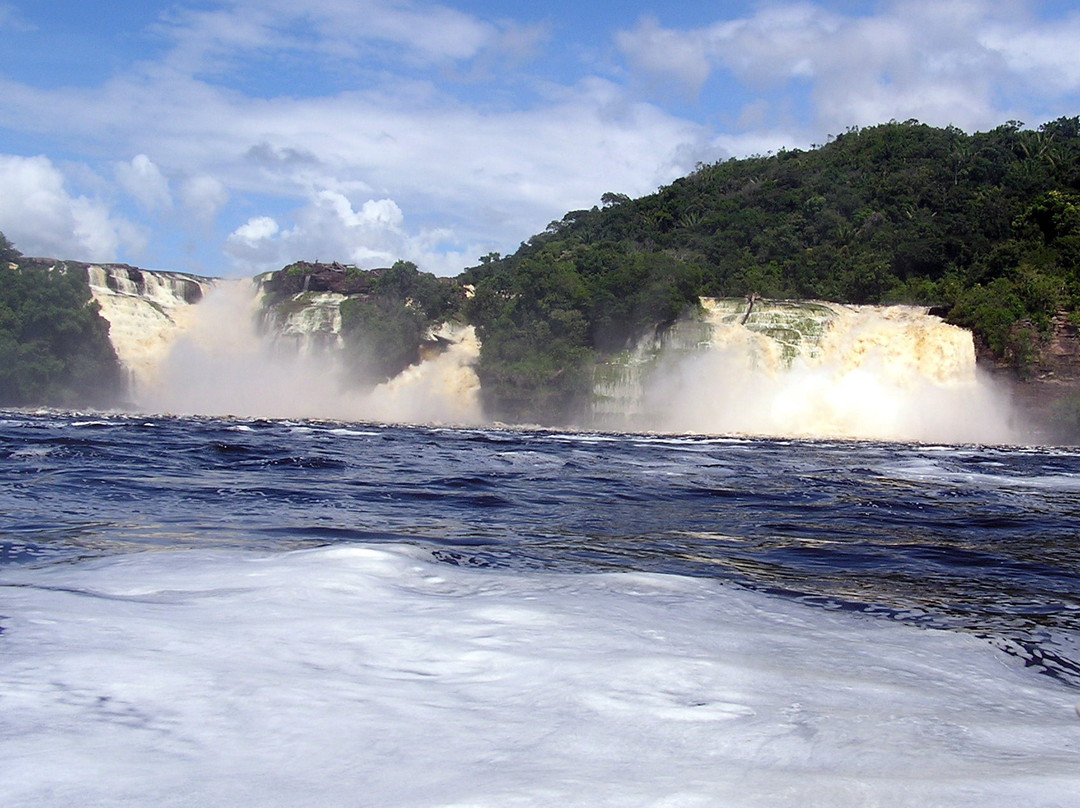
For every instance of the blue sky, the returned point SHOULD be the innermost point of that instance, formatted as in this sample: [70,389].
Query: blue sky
[229,137]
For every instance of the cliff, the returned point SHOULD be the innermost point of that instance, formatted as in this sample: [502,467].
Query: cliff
[147,311]
[1045,381]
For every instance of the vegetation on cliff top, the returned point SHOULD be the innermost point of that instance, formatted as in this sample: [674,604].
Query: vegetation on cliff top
[385,330]
[985,226]
[386,315]
[54,344]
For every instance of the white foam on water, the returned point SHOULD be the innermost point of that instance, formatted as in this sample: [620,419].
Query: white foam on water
[365,676]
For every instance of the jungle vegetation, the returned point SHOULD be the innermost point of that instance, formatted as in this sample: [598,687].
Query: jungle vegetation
[385,329]
[985,227]
[54,344]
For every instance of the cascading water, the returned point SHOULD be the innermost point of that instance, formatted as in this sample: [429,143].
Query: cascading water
[309,324]
[147,313]
[228,356]
[807,369]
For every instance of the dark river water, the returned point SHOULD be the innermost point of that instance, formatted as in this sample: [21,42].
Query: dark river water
[246,612]
[983,539]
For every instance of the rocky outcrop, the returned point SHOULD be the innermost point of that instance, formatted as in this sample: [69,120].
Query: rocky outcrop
[1045,383]
[305,276]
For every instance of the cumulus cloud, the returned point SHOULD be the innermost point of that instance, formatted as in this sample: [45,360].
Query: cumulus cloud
[203,196]
[144,182]
[965,62]
[328,227]
[331,227]
[40,216]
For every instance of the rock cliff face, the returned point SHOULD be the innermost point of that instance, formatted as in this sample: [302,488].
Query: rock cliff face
[1047,388]
[301,305]
[304,276]
[147,312]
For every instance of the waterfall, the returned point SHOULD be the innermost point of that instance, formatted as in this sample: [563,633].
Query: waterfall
[147,312]
[807,369]
[309,324]
[233,357]
[782,368]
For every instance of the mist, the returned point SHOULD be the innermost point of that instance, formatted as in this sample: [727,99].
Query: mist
[222,365]
[878,373]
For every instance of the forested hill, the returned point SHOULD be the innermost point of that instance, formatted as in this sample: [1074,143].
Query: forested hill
[54,345]
[985,226]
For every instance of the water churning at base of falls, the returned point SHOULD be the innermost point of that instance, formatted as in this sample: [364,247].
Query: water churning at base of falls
[282,613]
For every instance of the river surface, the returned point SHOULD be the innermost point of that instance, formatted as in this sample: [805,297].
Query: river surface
[202,611]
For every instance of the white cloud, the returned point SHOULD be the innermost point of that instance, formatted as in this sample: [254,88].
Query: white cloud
[385,30]
[666,56]
[41,217]
[1043,53]
[493,177]
[421,159]
[258,228]
[203,196]
[329,227]
[326,228]
[144,182]
[946,61]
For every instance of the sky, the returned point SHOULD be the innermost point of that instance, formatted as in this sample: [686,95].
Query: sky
[232,137]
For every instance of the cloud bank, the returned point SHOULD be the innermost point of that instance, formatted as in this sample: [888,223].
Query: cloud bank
[247,134]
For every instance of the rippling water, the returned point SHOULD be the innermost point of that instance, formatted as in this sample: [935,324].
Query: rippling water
[981,541]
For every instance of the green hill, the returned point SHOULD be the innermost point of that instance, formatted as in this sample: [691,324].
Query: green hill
[985,227]
[54,345]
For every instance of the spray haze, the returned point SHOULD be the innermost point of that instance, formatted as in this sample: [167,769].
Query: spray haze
[817,370]
[223,365]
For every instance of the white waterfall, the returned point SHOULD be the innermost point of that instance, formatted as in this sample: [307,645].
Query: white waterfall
[807,369]
[147,312]
[228,356]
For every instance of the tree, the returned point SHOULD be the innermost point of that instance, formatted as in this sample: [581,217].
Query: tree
[385,330]
[8,253]
[54,345]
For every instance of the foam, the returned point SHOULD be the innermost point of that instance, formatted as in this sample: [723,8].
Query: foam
[360,676]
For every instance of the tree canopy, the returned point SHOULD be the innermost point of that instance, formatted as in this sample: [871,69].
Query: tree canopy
[54,345]
[984,226]
[385,329]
